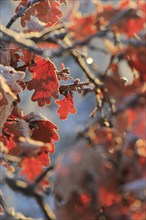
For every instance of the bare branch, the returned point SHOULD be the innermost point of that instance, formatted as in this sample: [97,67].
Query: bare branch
[42,175]
[10,36]
[76,86]
[29,190]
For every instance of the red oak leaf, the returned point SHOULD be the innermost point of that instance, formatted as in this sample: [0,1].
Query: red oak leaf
[45,131]
[86,27]
[27,56]
[31,168]
[66,107]
[42,129]
[46,11]
[44,82]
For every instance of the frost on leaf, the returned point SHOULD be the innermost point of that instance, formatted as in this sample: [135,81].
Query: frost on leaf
[19,128]
[7,98]
[34,25]
[42,129]
[5,57]
[45,11]
[11,77]
[8,90]
[44,82]
[66,106]
[28,147]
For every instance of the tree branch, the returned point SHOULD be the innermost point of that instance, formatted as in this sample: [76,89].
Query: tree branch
[22,11]
[42,175]
[20,39]
[29,190]
[75,86]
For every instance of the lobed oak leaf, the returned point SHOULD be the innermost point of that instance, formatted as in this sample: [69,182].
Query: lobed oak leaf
[45,131]
[66,107]
[45,11]
[42,129]
[44,82]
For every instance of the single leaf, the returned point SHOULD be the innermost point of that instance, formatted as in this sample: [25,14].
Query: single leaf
[31,168]
[66,107]
[42,129]
[45,131]
[44,82]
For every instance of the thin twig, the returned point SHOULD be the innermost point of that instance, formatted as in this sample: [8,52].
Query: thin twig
[10,36]
[3,204]
[42,175]
[22,11]
[29,190]
[82,63]
[48,214]
[76,86]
